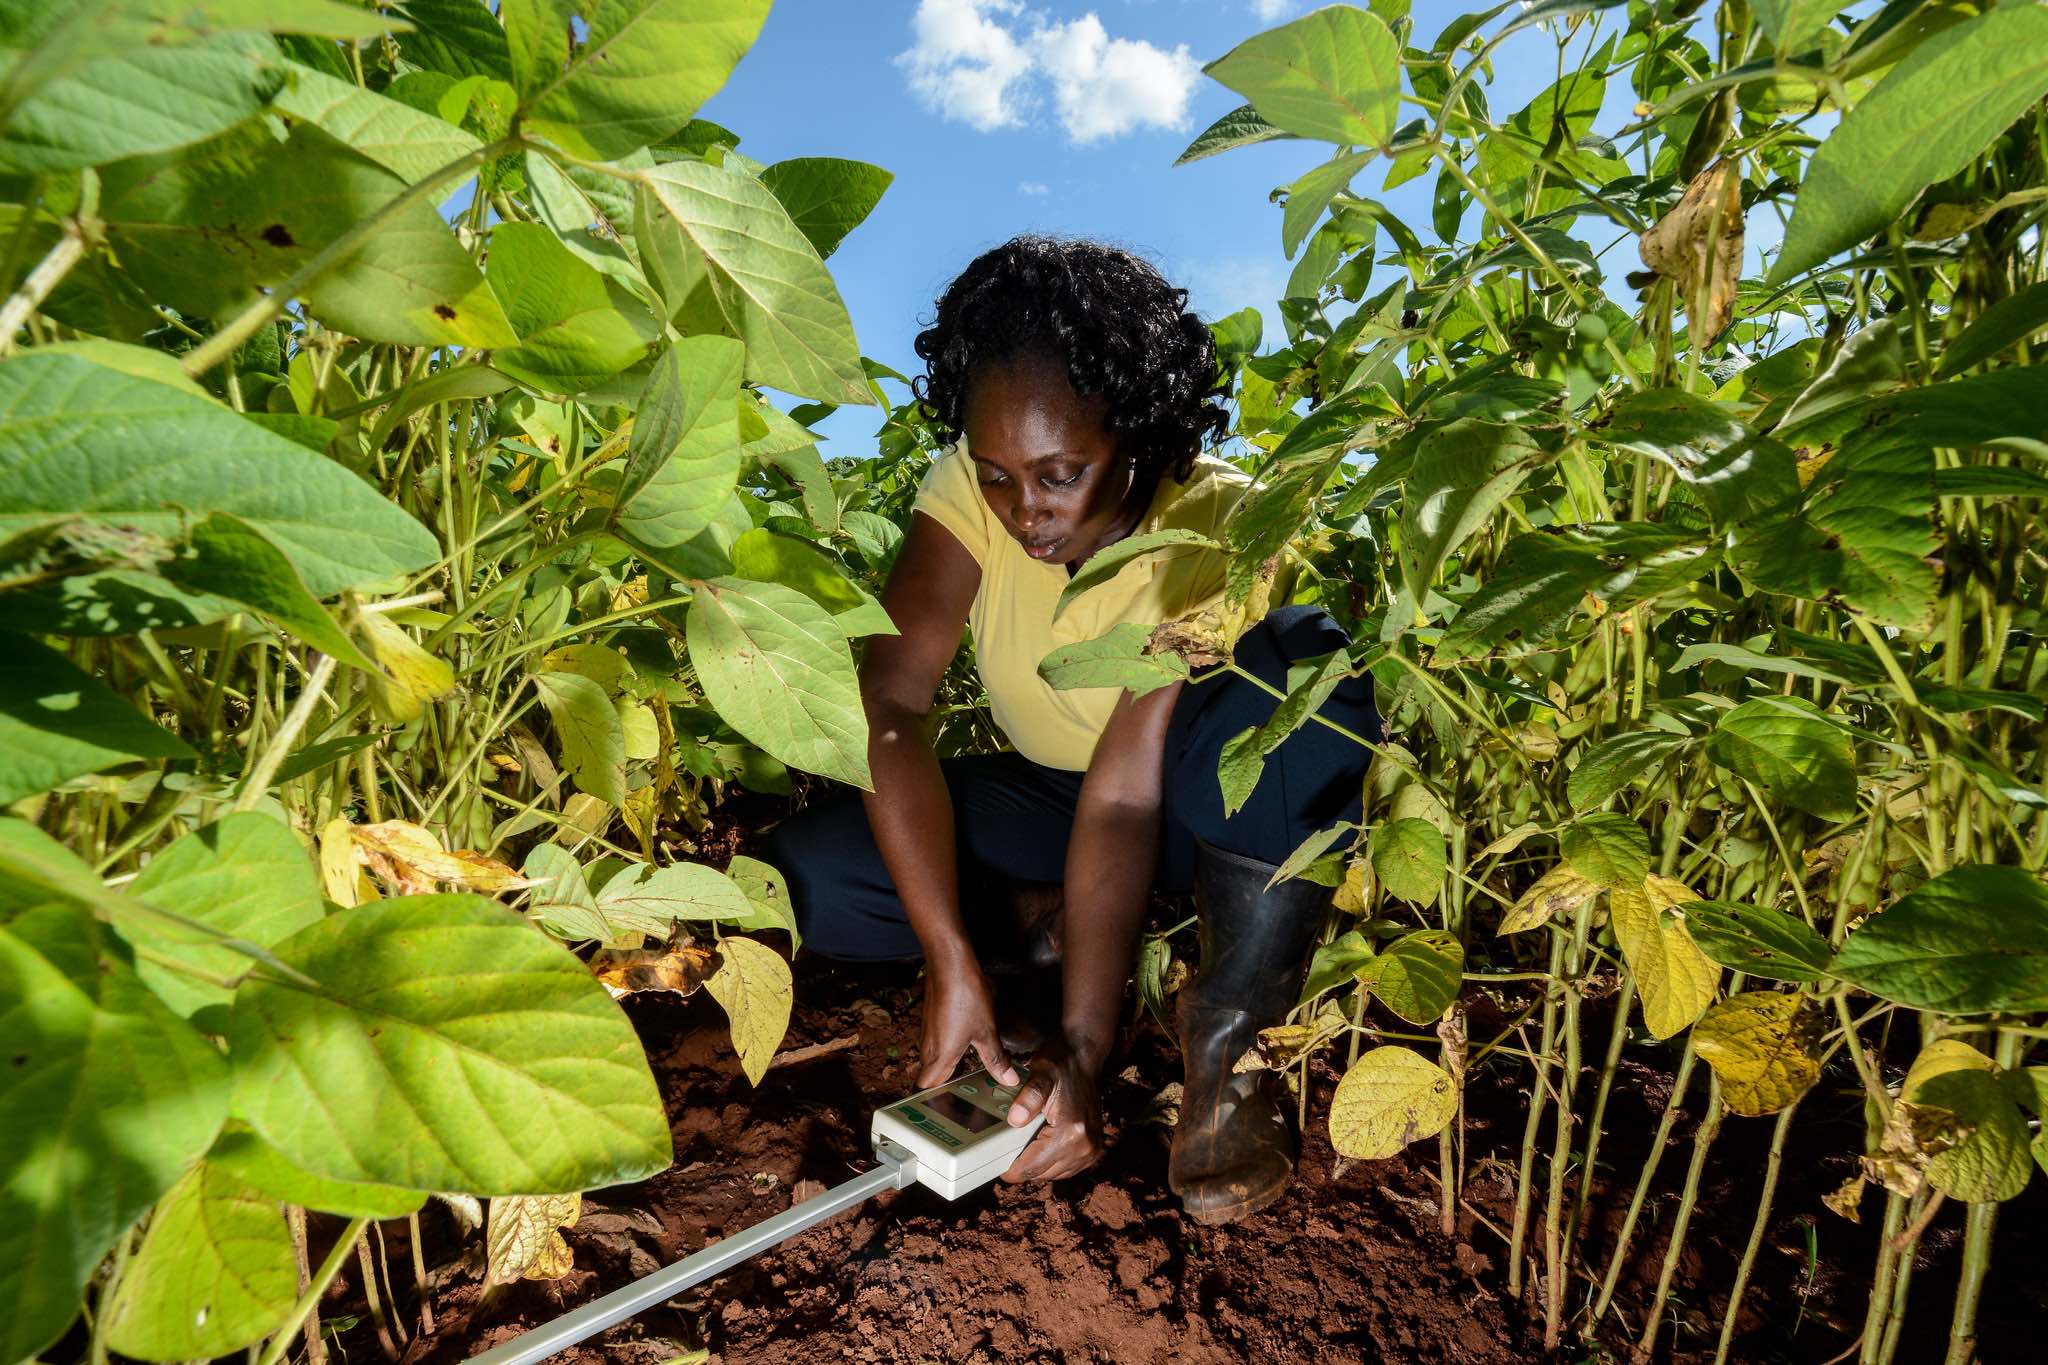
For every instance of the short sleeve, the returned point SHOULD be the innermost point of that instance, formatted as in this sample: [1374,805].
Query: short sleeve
[950,496]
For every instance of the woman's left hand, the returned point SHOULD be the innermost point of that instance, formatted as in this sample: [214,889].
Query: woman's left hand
[1062,1084]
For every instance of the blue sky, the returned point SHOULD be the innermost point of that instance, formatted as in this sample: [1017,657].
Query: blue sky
[1006,116]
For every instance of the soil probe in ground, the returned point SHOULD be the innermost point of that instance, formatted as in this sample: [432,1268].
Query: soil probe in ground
[953,1138]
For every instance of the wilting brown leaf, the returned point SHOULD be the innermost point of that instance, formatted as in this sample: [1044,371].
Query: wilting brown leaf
[410,858]
[681,967]
[1848,1200]
[1282,1046]
[526,1238]
[1699,245]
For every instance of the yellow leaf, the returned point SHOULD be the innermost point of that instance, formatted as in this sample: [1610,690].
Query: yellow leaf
[526,1238]
[753,983]
[682,968]
[416,677]
[1699,245]
[1763,1045]
[1282,1046]
[1559,891]
[640,817]
[602,664]
[1353,890]
[1389,1098]
[342,879]
[1674,978]
[643,736]
[583,815]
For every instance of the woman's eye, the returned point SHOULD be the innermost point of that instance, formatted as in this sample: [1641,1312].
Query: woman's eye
[1067,482]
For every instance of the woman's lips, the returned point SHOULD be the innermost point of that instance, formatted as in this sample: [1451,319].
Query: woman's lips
[1042,549]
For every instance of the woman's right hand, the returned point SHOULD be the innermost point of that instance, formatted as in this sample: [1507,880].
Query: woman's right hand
[959,1017]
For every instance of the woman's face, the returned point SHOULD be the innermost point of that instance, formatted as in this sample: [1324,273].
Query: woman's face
[1048,463]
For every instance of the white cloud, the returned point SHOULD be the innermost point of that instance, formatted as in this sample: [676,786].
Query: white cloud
[973,62]
[1105,86]
[1269,10]
[1033,187]
[966,66]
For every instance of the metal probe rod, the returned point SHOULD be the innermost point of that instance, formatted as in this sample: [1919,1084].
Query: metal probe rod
[895,1172]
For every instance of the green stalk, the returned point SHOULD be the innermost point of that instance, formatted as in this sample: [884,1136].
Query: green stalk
[1977,1230]
[1561,1146]
[1643,1182]
[310,1299]
[1756,1229]
[1539,1090]
[1688,1199]
[1881,1278]
[1902,1279]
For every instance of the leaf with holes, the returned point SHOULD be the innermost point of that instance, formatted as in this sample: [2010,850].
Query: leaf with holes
[1764,1046]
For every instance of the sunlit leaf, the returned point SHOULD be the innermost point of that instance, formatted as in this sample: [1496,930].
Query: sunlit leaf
[215,1272]
[1674,979]
[1764,1046]
[753,983]
[524,1237]
[1972,940]
[1390,1097]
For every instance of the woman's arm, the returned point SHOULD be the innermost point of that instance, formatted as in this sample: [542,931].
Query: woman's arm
[928,594]
[1111,857]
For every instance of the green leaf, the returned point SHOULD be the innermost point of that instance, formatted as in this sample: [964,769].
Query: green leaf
[1541,581]
[1749,661]
[225,556]
[1309,195]
[1462,473]
[1239,765]
[246,876]
[403,140]
[716,229]
[765,557]
[254,1162]
[1757,940]
[1973,940]
[1734,472]
[1793,24]
[1117,659]
[139,458]
[1333,74]
[753,984]
[768,894]
[1764,1047]
[1928,119]
[1607,849]
[652,899]
[1390,1097]
[1616,761]
[448,1046]
[1409,859]
[576,328]
[1105,564]
[643,68]
[215,1272]
[1335,962]
[2009,321]
[560,898]
[1988,1161]
[57,721]
[683,458]
[106,1098]
[1418,975]
[132,98]
[587,724]
[827,196]
[1241,127]
[776,666]
[1786,747]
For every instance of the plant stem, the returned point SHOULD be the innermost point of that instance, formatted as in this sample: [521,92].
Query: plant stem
[310,1299]
[316,1348]
[1881,1277]
[1977,1228]
[1756,1230]
[257,781]
[48,274]
[1539,1089]
[1561,1147]
[1619,1257]
[1688,1199]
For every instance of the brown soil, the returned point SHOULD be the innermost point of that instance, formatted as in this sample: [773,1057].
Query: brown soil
[1348,1267]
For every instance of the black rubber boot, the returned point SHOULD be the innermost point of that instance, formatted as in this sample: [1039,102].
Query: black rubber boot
[1233,1151]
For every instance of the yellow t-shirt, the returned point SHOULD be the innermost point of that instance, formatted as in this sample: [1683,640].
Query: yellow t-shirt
[1012,612]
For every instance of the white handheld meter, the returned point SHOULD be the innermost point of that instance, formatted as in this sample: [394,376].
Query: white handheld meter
[954,1137]
[959,1132]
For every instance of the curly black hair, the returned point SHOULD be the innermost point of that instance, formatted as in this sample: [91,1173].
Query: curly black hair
[1108,316]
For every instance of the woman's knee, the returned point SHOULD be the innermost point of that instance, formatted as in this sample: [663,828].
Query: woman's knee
[845,905]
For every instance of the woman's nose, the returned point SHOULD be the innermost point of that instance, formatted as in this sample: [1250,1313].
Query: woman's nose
[1030,513]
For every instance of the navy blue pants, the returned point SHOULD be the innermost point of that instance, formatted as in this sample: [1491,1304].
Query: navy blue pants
[1011,817]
